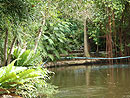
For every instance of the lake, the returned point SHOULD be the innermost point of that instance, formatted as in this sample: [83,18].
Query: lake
[104,81]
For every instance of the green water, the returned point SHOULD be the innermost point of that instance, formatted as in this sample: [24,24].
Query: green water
[106,81]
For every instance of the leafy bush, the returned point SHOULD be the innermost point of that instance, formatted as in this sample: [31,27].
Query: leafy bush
[27,57]
[24,81]
[36,88]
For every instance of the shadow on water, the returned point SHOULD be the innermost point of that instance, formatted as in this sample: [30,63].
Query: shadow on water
[106,81]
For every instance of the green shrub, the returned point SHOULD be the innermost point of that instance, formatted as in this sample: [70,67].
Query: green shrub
[28,82]
[26,57]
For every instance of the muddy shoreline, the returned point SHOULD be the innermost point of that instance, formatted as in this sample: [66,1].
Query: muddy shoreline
[73,63]
[76,62]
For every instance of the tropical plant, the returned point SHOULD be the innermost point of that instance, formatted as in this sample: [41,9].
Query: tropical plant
[26,57]
[36,88]
[24,81]
[55,40]
[18,18]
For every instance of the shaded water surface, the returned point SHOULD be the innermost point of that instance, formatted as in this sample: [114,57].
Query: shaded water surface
[106,81]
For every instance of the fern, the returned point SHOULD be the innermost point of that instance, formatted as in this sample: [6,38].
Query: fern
[9,68]
[27,58]
[11,77]
[27,82]
[16,53]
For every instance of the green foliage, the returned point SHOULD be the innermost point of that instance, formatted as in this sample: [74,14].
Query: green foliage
[22,18]
[25,81]
[36,88]
[63,28]
[11,76]
[17,15]
[26,57]
[59,38]
[25,19]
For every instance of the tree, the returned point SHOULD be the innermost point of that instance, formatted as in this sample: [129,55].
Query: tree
[86,51]
[109,20]
[16,18]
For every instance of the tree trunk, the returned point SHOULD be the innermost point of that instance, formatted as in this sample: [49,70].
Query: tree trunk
[39,34]
[120,35]
[120,42]
[86,51]
[109,45]
[11,49]
[114,34]
[5,47]
[37,39]
[110,38]
[110,41]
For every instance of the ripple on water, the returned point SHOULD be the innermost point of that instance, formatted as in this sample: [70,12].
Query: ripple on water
[81,92]
[104,81]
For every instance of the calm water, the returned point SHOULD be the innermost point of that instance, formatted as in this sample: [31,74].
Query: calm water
[106,81]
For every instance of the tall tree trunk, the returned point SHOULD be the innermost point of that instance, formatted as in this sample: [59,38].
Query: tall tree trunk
[37,39]
[110,41]
[125,38]
[109,38]
[120,41]
[107,43]
[86,51]
[5,47]
[120,35]
[126,49]
[39,34]
[11,49]
[114,33]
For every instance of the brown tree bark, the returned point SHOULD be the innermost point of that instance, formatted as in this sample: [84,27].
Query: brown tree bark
[120,41]
[86,51]
[37,39]
[11,49]
[121,35]
[109,45]
[110,38]
[114,33]
[110,41]
[5,47]
[125,37]
[39,34]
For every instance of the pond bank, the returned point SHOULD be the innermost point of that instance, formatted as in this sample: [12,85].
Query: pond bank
[91,61]
[72,62]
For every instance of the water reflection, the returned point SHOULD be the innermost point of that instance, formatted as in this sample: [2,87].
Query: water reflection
[93,81]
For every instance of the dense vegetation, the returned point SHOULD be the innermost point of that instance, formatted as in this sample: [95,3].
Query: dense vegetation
[55,27]
[33,31]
